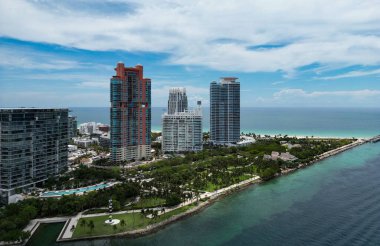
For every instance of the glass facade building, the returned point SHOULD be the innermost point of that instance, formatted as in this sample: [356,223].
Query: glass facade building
[225,111]
[130,114]
[33,147]
[72,126]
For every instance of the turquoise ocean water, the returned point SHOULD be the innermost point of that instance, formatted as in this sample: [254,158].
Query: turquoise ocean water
[339,122]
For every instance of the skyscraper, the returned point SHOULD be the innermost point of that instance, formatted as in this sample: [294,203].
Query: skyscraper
[33,147]
[177,100]
[181,128]
[72,126]
[130,114]
[225,111]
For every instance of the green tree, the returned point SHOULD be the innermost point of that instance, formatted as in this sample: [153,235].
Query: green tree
[24,235]
[122,222]
[83,223]
[91,225]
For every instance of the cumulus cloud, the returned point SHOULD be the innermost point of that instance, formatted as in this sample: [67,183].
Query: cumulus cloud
[216,34]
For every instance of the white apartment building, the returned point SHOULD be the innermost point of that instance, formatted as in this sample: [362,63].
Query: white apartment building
[181,128]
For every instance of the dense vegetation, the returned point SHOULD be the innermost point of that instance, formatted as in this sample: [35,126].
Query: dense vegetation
[14,217]
[82,176]
[164,183]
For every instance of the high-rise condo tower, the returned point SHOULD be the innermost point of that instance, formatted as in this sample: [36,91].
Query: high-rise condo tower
[225,111]
[177,100]
[33,147]
[130,114]
[181,127]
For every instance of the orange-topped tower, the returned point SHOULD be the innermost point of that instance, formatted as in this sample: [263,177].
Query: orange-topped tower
[130,114]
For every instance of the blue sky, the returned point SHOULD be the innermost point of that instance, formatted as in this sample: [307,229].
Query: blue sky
[286,54]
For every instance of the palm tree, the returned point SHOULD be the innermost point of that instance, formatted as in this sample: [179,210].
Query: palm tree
[114,228]
[155,214]
[91,225]
[83,223]
[133,223]
[122,222]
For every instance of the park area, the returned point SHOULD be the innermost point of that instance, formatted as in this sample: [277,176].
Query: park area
[96,226]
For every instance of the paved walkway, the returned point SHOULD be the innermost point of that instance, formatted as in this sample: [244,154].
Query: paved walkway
[68,233]
[33,224]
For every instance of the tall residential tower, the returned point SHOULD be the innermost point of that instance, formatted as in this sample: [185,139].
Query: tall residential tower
[225,111]
[177,100]
[181,128]
[130,114]
[33,147]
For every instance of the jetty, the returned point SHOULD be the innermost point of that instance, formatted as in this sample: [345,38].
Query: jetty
[375,139]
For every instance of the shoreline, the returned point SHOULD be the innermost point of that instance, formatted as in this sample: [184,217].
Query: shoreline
[298,136]
[219,194]
[211,199]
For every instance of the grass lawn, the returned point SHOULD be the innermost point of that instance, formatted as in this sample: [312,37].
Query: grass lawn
[150,202]
[132,222]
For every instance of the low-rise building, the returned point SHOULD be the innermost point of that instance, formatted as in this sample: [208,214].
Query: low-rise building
[105,140]
[87,128]
[287,157]
[283,156]
[85,142]
[245,140]
[290,146]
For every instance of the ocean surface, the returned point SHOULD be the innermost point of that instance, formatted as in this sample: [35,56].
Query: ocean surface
[334,202]
[325,122]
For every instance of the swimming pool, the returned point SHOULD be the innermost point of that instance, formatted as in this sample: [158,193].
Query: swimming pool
[78,191]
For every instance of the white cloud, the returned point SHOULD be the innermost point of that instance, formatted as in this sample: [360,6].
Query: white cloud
[216,34]
[278,82]
[105,84]
[13,57]
[300,93]
[353,74]
[295,97]
[53,99]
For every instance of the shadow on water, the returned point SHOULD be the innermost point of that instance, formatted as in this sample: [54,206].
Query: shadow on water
[46,234]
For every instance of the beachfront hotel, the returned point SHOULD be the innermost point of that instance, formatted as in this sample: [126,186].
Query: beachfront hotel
[181,127]
[33,147]
[130,114]
[225,111]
